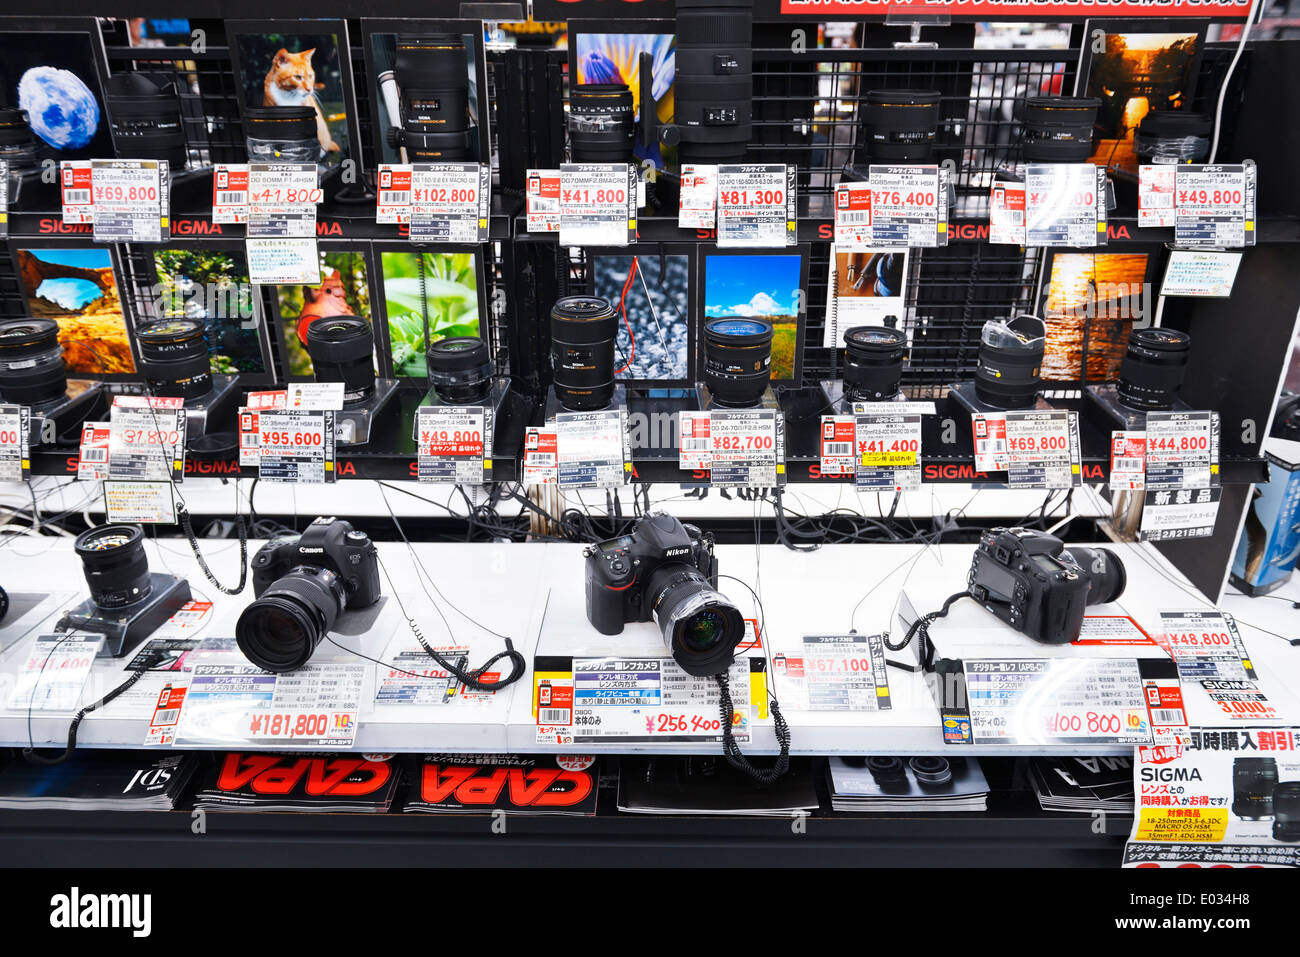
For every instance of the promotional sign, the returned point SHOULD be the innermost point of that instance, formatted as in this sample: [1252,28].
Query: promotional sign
[597,204]
[296,446]
[1128,460]
[756,205]
[737,447]
[1179,513]
[281,223]
[1007,213]
[541,460]
[698,206]
[250,435]
[92,453]
[542,201]
[1156,185]
[453,443]
[838,447]
[230,193]
[1200,272]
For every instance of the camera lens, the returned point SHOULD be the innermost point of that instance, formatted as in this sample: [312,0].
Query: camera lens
[31,361]
[901,125]
[1173,136]
[113,559]
[886,770]
[931,772]
[1153,368]
[737,360]
[281,134]
[1286,811]
[1058,129]
[1105,570]
[146,118]
[714,85]
[460,369]
[18,145]
[601,123]
[281,628]
[432,74]
[174,357]
[582,351]
[1011,354]
[699,625]
[873,362]
[341,348]
[1253,781]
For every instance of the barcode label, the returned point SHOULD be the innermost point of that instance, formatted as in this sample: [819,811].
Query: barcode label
[394,197]
[695,445]
[837,448]
[76,197]
[541,458]
[166,717]
[1128,465]
[853,219]
[552,715]
[248,440]
[1167,716]
[94,455]
[232,198]
[993,445]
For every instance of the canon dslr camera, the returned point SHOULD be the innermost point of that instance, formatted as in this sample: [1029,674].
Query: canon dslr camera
[665,570]
[303,583]
[1036,585]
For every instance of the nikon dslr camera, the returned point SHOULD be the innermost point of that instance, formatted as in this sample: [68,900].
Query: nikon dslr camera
[666,571]
[1037,586]
[303,583]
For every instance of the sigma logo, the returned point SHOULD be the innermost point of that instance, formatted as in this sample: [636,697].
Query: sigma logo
[1171,774]
[77,910]
[308,550]
[669,552]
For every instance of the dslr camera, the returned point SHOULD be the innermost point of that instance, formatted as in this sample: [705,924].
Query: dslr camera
[303,583]
[666,571]
[1036,585]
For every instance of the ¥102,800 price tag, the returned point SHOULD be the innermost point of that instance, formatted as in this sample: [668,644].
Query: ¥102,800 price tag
[15,441]
[737,447]
[449,202]
[757,205]
[296,446]
[1214,205]
[131,202]
[597,204]
[592,449]
[1043,449]
[1182,449]
[453,444]
[909,206]
[1065,204]
[888,451]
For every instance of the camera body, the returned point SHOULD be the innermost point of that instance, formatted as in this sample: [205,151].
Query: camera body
[1033,583]
[329,543]
[619,570]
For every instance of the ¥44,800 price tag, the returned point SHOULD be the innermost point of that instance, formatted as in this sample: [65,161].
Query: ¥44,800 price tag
[454,444]
[1182,449]
[296,446]
[756,205]
[597,204]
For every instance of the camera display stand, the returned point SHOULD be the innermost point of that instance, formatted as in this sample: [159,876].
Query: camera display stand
[1105,398]
[353,423]
[53,418]
[964,395]
[125,628]
[205,414]
[707,402]
[838,401]
[617,402]
[496,398]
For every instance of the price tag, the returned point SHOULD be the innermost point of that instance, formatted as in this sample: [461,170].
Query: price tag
[989,430]
[838,673]
[230,193]
[1128,460]
[737,447]
[131,202]
[449,202]
[1007,213]
[4,198]
[15,443]
[1065,204]
[146,440]
[1043,449]
[249,421]
[282,199]
[1214,205]
[698,208]
[1182,449]
[54,673]
[1240,700]
[398,685]
[888,451]
[853,217]
[76,192]
[453,443]
[756,205]
[1156,185]
[909,206]
[542,198]
[140,503]
[541,462]
[240,705]
[597,204]
[92,454]
[1195,272]
[592,449]
[838,445]
[296,446]
[1206,645]
[283,262]
[1179,513]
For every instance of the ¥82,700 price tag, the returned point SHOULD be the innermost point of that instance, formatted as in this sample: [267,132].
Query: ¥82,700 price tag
[296,446]
[1043,449]
[597,204]
[592,449]
[15,440]
[1065,204]
[909,206]
[1214,205]
[130,200]
[888,451]
[1182,449]
[454,444]
[756,205]
[737,447]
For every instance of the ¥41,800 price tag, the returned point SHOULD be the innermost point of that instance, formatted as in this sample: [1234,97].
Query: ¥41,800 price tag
[597,204]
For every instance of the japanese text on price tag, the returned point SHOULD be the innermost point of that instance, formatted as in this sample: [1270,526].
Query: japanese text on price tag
[756,205]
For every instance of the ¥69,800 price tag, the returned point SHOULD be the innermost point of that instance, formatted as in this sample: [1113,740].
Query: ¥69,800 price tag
[1043,449]
[296,446]
[756,205]
[597,204]
[130,201]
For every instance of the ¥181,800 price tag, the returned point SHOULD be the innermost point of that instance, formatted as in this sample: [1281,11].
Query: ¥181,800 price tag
[909,206]
[453,444]
[15,442]
[757,205]
[597,204]
[1043,449]
[296,446]
[1182,449]
[592,449]
[1065,204]
[888,451]
[1214,205]
[737,447]
[131,202]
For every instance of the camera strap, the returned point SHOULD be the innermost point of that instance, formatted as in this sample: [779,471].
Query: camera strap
[187,526]
[731,750]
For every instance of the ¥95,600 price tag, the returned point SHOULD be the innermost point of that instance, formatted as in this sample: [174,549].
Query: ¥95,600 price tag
[131,201]
[454,444]
[738,447]
[888,451]
[1065,204]
[1182,449]
[15,441]
[597,204]
[1043,449]
[909,206]
[296,446]
[756,205]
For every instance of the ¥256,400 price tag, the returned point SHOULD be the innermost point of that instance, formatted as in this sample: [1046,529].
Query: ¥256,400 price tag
[1214,205]
[130,200]
[1043,449]
[737,447]
[757,205]
[296,446]
[1182,449]
[888,449]
[1065,204]
[592,449]
[453,444]
[15,442]
[909,206]
[597,204]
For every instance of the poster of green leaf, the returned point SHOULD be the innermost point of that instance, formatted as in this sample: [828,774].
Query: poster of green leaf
[437,288]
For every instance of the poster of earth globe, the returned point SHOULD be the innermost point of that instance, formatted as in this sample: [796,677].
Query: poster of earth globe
[55,75]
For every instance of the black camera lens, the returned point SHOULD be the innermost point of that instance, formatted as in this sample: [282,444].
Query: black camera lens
[460,369]
[699,625]
[737,360]
[886,770]
[931,772]
[174,357]
[1286,812]
[1173,136]
[582,352]
[31,361]
[281,134]
[1153,368]
[117,571]
[714,87]
[341,349]
[602,123]
[873,362]
[281,628]
[1105,571]
[901,125]
[1010,357]
[1058,129]
[1253,781]
[146,118]
[18,144]
[431,72]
